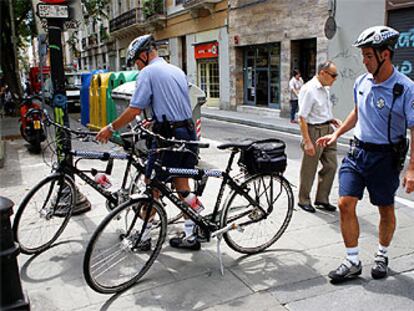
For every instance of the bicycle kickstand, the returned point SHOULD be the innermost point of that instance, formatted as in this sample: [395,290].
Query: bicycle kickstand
[220,259]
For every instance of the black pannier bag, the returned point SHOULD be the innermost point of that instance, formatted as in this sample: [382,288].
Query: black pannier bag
[264,156]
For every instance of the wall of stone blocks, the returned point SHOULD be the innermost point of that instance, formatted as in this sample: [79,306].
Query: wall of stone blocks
[255,22]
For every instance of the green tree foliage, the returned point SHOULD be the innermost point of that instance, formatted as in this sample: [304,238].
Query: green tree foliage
[24,26]
[152,7]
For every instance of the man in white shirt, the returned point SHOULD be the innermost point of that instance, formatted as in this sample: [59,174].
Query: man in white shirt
[294,87]
[315,120]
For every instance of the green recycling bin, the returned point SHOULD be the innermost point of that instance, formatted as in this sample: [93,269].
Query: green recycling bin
[117,79]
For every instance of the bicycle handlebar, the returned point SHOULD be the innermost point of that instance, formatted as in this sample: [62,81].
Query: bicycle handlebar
[80,134]
[141,129]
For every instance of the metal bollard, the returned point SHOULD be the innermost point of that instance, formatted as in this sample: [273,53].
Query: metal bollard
[11,295]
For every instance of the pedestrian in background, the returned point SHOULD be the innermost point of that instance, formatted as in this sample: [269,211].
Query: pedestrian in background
[295,85]
[384,108]
[316,120]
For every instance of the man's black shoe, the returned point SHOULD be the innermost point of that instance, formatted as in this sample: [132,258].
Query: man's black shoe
[181,242]
[326,206]
[143,246]
[307,207]
[380,268]
[346,271]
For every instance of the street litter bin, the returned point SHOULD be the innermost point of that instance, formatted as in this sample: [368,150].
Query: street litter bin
[94,102]
[114,81]
[118,79]
[105,91]
[86,79]
[122,94]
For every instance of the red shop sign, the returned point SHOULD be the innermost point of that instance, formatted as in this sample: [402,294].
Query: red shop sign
[206,50]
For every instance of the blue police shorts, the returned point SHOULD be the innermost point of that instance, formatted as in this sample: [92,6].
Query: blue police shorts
[374,170]
[174,159]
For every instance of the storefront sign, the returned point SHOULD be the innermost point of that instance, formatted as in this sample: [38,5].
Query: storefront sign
[206,50]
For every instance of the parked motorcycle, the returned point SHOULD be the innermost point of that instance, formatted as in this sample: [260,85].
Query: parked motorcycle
[31,125]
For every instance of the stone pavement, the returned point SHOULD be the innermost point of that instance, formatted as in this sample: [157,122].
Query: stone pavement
[291,275]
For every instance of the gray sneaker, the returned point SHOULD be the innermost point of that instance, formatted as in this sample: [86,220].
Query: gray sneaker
[380,268]
[346,271]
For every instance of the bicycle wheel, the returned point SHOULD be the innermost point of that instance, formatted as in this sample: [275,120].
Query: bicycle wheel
[116,257]
[44,213]
[138,186]
[258,231]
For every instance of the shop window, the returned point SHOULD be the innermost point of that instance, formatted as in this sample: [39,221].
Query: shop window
[262,75]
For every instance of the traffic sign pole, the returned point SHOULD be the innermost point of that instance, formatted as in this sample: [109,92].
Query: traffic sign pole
[56,15]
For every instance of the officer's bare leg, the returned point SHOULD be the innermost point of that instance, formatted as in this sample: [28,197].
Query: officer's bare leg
[349,220]
[386,224]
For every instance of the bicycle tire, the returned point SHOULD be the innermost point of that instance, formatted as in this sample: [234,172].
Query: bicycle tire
[263,231]
[33,210]
[105,257]
[138,186]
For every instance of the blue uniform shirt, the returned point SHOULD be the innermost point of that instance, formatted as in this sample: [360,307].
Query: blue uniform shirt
[165,87]
[374,103]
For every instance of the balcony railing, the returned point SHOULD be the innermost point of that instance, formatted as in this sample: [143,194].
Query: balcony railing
[126,19]
[195,6]
[199,3]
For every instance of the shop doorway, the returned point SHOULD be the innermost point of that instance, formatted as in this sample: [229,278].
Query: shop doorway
[209,81]
[262,86]
[303,57]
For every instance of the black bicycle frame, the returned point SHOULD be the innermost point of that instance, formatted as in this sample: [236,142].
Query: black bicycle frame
[203,222]
[72,170]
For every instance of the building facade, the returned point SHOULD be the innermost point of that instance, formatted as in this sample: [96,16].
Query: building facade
[95,44]
[191,34]
[268,39]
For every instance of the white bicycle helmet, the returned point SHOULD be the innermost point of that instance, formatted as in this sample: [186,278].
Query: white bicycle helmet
[137,46]
[377,37]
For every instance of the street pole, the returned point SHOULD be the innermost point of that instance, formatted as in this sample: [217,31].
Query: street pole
[60,107]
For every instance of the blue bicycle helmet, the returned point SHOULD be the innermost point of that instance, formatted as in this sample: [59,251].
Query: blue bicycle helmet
[137,46]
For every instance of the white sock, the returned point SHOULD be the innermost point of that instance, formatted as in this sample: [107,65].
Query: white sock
[147,232]
[352,254]
[382,250]
[188,227]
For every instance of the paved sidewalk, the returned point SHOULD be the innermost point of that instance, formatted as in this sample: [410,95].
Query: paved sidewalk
[291,275]
[261,118]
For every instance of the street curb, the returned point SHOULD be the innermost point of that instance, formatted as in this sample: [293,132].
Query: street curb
[342,140]
[2,153]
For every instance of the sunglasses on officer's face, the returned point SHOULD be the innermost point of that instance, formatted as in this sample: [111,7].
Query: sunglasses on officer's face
[333,75]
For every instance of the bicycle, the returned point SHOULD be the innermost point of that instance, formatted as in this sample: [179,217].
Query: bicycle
[46,209]
[256,214]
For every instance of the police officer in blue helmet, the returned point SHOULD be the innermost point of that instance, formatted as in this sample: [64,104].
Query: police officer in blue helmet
[164,88]
[384,109]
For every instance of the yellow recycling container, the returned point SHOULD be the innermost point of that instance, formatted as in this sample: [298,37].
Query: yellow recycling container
[104,93]
[94,102]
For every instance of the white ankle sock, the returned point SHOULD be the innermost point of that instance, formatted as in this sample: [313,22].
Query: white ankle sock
[352,254]
[188,227]
[147,233]
[382,250]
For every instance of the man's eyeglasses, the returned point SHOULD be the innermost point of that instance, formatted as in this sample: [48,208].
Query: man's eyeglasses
[333,75]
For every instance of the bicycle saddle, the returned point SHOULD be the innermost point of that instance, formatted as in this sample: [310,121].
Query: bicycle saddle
[238,144]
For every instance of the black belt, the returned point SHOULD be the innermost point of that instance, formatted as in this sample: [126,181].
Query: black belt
[319,124]
[370,146]
[183,123]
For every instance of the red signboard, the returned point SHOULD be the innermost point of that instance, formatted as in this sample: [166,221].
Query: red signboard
[53,1]
[206,50]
